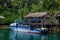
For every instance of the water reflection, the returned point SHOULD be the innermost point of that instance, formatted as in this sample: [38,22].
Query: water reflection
[24,36]
[11,35]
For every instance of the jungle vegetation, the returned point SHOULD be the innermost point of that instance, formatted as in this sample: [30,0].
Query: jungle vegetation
[16,9]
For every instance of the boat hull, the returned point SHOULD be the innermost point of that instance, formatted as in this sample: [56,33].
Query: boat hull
[19,29]
[25,28]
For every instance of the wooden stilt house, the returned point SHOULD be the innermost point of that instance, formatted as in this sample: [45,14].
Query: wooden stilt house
[56,28]
[37,19]
[57,16]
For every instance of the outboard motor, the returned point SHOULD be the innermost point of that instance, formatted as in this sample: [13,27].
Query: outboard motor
[44,30]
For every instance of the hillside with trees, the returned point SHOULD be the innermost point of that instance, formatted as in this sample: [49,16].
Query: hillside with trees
[16,9]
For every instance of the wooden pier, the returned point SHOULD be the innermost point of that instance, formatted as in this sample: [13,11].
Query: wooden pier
[52,27]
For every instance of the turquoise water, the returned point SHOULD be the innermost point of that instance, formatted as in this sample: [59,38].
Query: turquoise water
[11,35]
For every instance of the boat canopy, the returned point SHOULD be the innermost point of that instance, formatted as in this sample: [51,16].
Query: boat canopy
[19,21]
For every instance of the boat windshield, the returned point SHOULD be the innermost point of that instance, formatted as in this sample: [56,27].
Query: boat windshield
[24,26]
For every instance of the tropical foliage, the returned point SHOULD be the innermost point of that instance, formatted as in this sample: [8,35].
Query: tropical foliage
[16,9]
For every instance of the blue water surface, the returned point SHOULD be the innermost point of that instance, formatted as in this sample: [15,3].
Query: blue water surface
[12,35]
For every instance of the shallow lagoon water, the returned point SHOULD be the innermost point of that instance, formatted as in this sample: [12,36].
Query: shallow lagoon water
[12,35]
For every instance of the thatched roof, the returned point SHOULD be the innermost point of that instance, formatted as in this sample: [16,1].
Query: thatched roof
[38,14]
[2,17]
[57,15]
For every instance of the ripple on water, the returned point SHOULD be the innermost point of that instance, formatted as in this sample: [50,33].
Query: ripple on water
[12,35]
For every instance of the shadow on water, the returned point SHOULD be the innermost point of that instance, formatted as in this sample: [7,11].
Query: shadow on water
[4,34]
[11,35]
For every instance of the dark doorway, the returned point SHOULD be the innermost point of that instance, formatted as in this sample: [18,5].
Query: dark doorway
[59,19]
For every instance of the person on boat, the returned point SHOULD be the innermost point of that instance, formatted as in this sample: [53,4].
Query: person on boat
[16,25]
[31,27]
